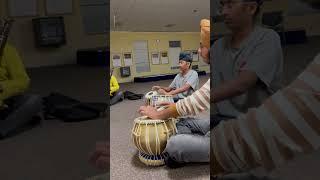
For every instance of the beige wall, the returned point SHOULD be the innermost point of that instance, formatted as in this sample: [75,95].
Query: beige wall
[22,37]
[121,42]
[309,22]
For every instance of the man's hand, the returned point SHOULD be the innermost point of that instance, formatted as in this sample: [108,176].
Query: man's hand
[235,87]
[100,157]
[163,92]
[149,111]
[156,88]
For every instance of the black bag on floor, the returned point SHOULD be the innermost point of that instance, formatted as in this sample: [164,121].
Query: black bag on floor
[71,110]
[132,96]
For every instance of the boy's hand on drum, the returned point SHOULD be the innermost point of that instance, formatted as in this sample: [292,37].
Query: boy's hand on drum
[149,111]
[155,88]
[162,91]
[100,157]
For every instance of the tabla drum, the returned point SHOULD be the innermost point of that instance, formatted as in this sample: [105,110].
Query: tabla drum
[150,137]
[157,99]
[149,96]
[153,98]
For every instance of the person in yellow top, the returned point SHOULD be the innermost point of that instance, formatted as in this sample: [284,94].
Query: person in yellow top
[115,94]
[16,108]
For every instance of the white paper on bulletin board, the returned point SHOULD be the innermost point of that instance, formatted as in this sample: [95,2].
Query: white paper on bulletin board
[164,58]
[127,58]
[116,60]
[155,58]
[59,6]
[174,56]
[22,8]
[195,56]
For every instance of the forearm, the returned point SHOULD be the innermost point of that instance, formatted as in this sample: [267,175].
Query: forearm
[234,87]
[167,89]
[179,90]
[227,90]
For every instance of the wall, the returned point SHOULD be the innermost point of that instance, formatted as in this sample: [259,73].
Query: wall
[123,42]
[309,22]
[22,37]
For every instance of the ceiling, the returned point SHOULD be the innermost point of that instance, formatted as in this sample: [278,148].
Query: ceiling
[158,15]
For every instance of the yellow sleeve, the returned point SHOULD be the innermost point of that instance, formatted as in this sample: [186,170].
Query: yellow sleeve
[114,85]
[18,80]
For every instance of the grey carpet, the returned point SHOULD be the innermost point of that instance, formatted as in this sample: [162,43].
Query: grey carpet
[57,150]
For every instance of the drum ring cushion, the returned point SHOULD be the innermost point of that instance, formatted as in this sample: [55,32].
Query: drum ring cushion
[151,160]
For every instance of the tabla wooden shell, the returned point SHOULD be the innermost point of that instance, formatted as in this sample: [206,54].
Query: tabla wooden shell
[150,136]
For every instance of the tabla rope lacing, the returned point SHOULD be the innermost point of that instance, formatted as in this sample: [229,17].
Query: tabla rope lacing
[137,133]
[157,139]
[174,122]
[167,130]
[148,140]
[138,137]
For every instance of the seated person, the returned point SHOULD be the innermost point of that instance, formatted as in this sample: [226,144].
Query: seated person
[192,142]
[248,63]
[16,107]
[185,83]
[285,127]
[115,94]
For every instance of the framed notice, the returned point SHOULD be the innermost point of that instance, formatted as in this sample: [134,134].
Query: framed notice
[116,60]
[155,58]
[164,57]
[127,59]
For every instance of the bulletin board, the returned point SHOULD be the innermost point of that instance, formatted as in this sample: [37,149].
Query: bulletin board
[95,15]
[20,8]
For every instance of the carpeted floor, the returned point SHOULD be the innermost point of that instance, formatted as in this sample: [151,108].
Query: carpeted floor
[56,150]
